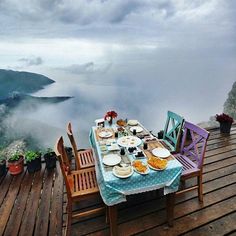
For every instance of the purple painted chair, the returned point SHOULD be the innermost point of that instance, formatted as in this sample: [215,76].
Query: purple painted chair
[191,156]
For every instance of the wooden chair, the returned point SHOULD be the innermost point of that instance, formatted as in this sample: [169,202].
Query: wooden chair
[79,184]
[172,131]
[83,157]
[191,156]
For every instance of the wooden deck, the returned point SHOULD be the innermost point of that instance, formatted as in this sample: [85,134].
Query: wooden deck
[34,204]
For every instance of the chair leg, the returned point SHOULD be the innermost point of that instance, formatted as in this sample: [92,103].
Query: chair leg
[69,217]
[200,190]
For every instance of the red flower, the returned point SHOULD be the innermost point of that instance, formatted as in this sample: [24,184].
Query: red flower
[224,118]
[110,114]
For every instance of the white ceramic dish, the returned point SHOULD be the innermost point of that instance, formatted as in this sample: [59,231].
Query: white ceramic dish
[111,159]
[132,122]
[142,173]
[138,129]
[129,141]
[157,168]
[105,134]
[123,176]
[161,152]
[113,147]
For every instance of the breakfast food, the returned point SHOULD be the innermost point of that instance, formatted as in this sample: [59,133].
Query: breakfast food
[121,122]
[123,170]
[140,166]
[157,163]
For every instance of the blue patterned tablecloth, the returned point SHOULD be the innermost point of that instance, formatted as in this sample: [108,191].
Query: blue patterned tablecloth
[114,190]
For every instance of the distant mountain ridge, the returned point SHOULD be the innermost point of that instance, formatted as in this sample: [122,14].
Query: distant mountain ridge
[21,81]
[18,98]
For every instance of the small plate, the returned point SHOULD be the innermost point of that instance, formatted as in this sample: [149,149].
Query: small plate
[156,168]
[123,176]
[129,141]
[111,159]
[138,129]
[105,134]
[113,147]
[132,122]
[142,173]
[161,152]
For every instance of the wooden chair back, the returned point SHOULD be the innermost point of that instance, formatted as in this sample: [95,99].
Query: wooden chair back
[173,129]
[64,163]
[72,141]
[193,144]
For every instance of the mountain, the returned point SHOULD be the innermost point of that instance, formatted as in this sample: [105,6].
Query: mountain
[22,82]
[30,101]
[230,103]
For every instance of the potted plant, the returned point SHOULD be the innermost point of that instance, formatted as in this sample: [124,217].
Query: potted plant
[50,158]
[109,116]
[33,161]
[16,164]
[225,122]
[3,167]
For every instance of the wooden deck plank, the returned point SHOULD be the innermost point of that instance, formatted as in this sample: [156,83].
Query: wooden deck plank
[19,206]
[8,201]
[55,228]
[30,213]
[5,187]
[218,227]
[41,227]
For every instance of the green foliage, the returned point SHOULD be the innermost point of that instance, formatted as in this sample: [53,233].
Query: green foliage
[32,155]
[15,157]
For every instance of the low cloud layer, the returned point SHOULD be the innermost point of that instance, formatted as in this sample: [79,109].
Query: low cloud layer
[31,61]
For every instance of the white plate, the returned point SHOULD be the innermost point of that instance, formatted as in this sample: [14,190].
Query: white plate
[123,176]
[111,159]
[105,134]
[113,147]
[138,129]
[161,152]
[129,141]
[157,168]
[132,122]
[142,173]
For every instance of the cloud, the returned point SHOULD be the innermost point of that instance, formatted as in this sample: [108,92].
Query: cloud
[87,68]
[32,61]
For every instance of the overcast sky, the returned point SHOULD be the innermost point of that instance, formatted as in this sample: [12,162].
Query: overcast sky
[137,56]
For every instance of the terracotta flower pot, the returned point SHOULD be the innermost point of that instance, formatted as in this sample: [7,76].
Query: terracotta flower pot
[16,167]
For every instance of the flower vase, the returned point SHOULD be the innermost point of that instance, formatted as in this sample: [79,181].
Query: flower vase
[110,121]
[225,127]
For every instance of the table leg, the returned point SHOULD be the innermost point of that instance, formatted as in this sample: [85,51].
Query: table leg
[170,203]
[113,220]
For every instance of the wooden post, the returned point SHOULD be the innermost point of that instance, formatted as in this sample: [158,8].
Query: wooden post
[113,220]
[170,203]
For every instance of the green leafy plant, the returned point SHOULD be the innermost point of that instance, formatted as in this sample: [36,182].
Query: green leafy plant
[32,155]
[15,157]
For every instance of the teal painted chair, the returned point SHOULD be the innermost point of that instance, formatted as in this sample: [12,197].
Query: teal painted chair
[172,131]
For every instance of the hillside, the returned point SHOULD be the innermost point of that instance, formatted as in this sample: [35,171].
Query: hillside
[22,82]
[230,103]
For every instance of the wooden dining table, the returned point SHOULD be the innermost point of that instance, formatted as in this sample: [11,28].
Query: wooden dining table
[114,190]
